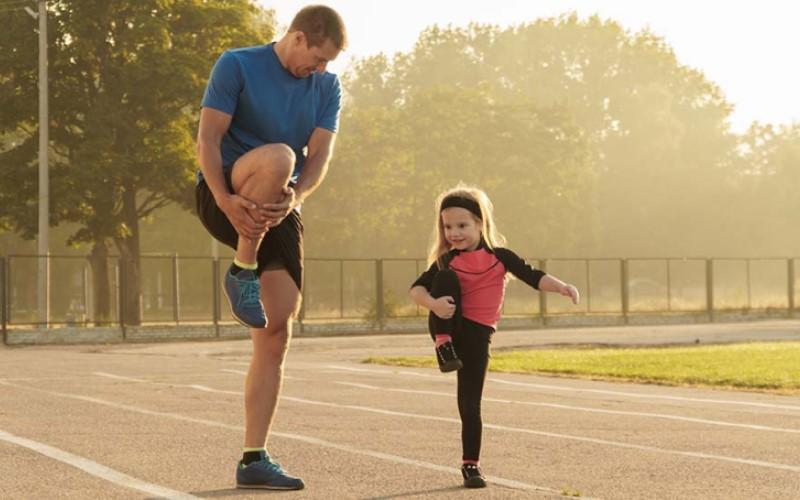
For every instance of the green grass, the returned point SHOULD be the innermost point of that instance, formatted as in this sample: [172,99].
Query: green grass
[773,366]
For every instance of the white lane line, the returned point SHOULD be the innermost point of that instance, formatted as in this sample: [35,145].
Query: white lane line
[96,469]
[581,408]
[618,444]
[141,380]
[242,372]
[297,437]
[745,461]
[198,387]
[578,389]
[120,377]
[510,483]
[237,372]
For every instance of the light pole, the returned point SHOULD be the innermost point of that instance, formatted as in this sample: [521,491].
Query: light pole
[43,243]
[44,177]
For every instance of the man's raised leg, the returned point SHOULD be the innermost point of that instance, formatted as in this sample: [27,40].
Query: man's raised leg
[259,176]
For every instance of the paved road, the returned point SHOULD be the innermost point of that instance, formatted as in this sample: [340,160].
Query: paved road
[165,421]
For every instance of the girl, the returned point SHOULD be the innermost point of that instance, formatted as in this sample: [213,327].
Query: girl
[464,289]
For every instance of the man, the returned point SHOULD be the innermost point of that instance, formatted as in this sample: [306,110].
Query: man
[267,128]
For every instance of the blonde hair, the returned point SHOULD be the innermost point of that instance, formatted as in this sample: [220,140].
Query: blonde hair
[439,246]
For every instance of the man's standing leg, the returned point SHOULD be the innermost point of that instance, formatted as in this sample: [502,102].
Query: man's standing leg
[282,301]
[264,378]
[263,384]
[260,176]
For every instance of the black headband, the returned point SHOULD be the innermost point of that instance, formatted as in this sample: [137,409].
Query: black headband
[462,202]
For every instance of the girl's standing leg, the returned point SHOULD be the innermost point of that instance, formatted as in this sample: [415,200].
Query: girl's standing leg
[473,349]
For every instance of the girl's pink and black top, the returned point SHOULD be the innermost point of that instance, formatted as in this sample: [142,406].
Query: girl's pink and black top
[481,273]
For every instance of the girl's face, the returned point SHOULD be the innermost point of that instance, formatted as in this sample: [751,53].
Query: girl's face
[462,230]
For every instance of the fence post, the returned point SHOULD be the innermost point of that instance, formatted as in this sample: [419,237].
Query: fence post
[341,289]
[710,289]
[588,287]
[215,295]
[749,293]
[624,289]
[176,300]
[122,285]
[87,299]
[379,292]
[4,291]
[669,285]
[543,296]
[790,285]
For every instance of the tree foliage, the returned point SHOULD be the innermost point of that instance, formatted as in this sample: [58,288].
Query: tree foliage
[125,82]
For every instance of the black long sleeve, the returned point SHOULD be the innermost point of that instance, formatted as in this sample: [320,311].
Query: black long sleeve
[426,279]
[517,266]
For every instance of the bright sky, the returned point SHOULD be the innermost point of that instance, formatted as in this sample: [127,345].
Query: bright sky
[750,48]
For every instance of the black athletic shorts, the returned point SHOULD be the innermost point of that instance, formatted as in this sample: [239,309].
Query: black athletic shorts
[282,246]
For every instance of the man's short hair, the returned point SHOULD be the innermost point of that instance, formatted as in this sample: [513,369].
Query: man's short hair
[319,23]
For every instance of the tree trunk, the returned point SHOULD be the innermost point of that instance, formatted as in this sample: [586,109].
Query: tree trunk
[98,261]
[130,266]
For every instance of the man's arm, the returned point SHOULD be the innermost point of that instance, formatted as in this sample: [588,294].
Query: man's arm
[320,151]
[213,125]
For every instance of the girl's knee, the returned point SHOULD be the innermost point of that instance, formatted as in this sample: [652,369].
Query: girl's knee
[471,407]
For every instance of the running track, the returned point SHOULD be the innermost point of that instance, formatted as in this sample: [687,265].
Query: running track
[165,421]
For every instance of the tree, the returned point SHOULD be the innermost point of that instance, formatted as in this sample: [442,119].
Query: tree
[656,131]
[391,162]
[126,80]
[764,204]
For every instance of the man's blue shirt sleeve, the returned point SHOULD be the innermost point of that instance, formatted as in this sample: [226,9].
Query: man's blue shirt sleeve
[224,85]
[329,119]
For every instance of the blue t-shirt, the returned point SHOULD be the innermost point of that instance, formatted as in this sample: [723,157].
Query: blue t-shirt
[268,105]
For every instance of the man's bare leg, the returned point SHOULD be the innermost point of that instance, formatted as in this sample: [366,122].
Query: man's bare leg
[282,301]
[260,176]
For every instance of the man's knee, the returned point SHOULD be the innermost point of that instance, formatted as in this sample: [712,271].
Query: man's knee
[266,163]
[279,157]
[273,342]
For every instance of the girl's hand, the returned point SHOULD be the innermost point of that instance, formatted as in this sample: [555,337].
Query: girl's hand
[444,307]
[570,291]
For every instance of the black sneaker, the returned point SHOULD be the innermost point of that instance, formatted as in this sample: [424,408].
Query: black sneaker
[473,478]
[447,358]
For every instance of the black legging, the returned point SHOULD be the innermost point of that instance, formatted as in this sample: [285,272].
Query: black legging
[471,342]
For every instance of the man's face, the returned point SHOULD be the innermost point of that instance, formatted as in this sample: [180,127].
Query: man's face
[306,60]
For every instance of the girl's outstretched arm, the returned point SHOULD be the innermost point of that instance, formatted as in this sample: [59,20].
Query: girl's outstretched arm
[550,283]
[536,278]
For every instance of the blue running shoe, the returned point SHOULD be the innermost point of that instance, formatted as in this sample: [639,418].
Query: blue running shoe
[244,295]
[266,475]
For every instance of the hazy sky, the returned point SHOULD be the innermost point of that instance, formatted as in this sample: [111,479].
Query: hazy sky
[750,48]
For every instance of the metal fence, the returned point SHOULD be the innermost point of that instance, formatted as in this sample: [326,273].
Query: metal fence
[183,290]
